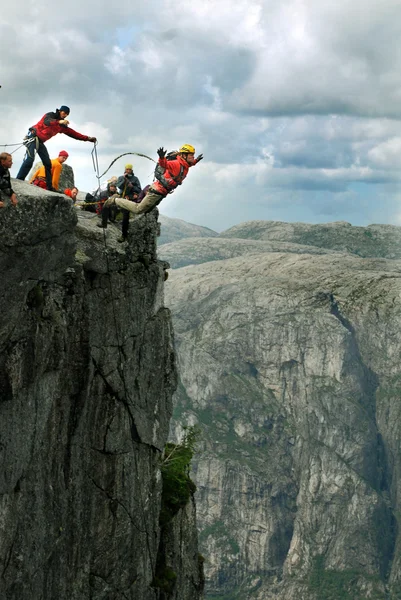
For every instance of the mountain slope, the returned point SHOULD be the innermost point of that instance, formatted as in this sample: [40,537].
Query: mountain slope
[374,240]
[192,251]
[290,363]
[176,229]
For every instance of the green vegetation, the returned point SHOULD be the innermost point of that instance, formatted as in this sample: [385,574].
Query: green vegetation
[177,484]
[330,584]
[165,579]
[395,591]
[222,535]
[177,490]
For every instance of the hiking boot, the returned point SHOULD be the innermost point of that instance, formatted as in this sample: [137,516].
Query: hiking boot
[101,225]
[121,239]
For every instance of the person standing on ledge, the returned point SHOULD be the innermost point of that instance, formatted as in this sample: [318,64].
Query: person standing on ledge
[7,193]
[49,125]
[39,177]
[170,172]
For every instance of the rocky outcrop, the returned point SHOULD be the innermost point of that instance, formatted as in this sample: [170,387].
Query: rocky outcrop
[290,363]
[87,371]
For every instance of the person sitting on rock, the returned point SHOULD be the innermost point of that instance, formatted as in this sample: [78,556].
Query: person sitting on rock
[92,198]
[170,173]
[49,125]
[109,192]
[129,187]
[7,194]
[39,177]
[128,184]
[72,193]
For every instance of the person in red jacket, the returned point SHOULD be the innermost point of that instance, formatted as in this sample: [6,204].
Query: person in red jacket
[72,193]
[170,173]
[49,125]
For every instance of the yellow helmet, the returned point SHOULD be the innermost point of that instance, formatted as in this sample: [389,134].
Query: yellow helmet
[187,149]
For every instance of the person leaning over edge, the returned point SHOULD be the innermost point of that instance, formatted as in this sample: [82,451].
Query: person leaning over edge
[39,177]
[7,193]
[72,193]
[49,125]
[169,173]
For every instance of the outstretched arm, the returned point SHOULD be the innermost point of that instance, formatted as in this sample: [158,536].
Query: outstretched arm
[76,135]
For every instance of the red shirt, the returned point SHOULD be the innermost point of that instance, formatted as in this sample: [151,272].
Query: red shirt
[49,126]
[174,174]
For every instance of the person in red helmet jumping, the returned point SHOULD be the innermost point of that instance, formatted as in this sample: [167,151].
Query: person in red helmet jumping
[170,172]
[49,125]
[39,177]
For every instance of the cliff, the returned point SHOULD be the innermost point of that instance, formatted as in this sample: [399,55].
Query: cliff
[87,372]
[290,361]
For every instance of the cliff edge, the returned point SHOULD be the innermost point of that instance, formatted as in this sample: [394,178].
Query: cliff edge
[87,373]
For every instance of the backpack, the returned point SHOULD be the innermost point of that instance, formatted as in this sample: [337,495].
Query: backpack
[159,171]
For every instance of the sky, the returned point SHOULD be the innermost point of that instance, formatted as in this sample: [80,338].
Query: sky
[295,105]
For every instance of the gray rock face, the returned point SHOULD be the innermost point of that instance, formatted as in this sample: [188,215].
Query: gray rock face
[87,371]
[290,363]
[66,177]
[375,240]
[194,251]
[173,230]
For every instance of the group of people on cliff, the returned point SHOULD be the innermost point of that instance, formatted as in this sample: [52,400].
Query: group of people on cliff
[124,192]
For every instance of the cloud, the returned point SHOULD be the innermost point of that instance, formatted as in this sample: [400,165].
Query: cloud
[295,105]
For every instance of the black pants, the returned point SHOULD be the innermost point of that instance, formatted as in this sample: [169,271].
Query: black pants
[29,158]
[108,213]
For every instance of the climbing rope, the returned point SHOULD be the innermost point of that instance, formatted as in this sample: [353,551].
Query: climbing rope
[10,145]
[125,154]
[6,145]
[16,149]
[27,141]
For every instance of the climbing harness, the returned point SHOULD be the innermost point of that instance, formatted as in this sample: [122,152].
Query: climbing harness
[28,141]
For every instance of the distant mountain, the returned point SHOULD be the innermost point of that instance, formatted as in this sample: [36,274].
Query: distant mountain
[195,251]
[382,241]
[173,230]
